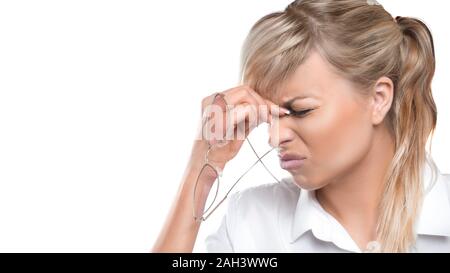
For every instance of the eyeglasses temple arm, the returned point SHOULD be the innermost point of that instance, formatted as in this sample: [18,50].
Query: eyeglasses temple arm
[259,159]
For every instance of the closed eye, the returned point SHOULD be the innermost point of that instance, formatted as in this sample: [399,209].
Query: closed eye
[300,113]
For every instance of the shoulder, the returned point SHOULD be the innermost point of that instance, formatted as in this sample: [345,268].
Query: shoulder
[434,217]
[435,180]
[444,179]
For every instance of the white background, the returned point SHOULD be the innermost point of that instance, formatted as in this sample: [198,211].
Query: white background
[99,103]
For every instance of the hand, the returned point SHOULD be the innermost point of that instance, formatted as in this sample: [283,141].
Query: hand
[227,119]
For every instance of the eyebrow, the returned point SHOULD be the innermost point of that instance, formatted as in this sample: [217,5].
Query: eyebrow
[288,103]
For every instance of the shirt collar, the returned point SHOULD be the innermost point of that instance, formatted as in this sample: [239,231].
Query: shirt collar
[309,215]
[434,218]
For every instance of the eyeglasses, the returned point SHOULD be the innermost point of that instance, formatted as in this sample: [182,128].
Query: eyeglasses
[208,168]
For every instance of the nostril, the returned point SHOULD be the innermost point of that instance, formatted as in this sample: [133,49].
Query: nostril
[284,141]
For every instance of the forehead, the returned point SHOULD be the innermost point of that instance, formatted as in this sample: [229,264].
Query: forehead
[315,77]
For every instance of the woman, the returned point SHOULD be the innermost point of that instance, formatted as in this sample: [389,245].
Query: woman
[356,111]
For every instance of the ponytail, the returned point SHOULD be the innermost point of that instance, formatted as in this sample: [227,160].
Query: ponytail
[413,118]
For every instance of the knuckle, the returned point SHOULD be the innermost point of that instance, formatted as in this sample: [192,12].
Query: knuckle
[251,90]
[205,100]
[246,86]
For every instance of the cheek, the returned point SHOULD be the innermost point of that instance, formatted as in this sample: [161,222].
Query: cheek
[337,138]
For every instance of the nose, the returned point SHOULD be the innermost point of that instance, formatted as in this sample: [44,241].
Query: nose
[279,132]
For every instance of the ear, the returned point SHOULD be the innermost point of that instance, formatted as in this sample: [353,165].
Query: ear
[382,97]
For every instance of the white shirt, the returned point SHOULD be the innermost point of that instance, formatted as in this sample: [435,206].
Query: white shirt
[281,217]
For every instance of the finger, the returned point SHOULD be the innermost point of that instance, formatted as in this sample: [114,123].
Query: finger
[277,110]
[268,107]
[263,107]
[221,126]
[239,96]
[241,119]
[243,97]
[245,94]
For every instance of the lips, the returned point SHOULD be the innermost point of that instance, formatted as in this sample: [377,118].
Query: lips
[291,161]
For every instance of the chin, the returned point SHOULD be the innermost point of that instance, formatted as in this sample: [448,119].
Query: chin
[307,183]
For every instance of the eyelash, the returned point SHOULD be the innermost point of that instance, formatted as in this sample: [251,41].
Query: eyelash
[300,113]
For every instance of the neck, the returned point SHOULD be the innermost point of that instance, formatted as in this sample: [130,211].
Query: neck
[354,199]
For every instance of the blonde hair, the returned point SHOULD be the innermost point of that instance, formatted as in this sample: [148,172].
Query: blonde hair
[363,42]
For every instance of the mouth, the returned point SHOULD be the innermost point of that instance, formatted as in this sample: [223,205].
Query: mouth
[291,161]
